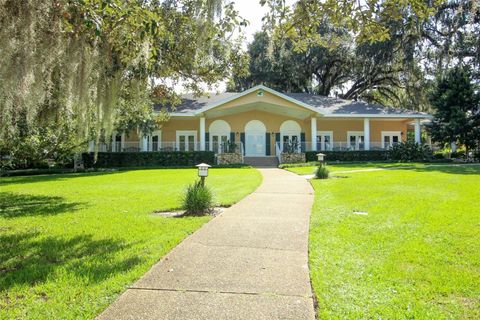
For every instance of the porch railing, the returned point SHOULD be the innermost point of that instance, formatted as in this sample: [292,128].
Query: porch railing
[228,147]
[238,147]
[166,146]
[298,147]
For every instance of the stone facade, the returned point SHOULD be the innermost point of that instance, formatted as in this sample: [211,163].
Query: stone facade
[229,158]
[293,157]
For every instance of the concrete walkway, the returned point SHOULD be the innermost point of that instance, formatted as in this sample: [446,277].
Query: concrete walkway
[251,262]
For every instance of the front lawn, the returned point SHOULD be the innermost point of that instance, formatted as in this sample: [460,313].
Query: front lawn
[71,243]
[347,166]
[414,255]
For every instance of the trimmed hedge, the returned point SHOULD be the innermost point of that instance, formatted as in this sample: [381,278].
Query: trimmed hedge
[371,155]
[145,159]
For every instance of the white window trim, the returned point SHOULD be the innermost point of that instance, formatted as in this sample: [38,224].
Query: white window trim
[356,134]
[122,141]
[150,139]
[326,133]
[219,134]
[290,128]
[222,128]
[186,132]
[390,134]
[290,134]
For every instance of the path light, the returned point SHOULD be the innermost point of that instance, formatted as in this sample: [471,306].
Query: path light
[320,157]
[203,171]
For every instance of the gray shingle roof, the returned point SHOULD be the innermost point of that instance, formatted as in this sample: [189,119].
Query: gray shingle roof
[190,103]
[325,105]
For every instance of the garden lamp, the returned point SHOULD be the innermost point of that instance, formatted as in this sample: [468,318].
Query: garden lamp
[203,171]
[320,157]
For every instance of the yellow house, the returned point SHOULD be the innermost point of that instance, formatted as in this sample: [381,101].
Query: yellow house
[262,122]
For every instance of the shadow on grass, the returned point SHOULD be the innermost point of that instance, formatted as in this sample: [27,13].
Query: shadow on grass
[14,205]
[51,177]
[29,258]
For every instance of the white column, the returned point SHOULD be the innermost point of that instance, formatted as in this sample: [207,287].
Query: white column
[313,127]
[366,133]
[114,145]
[144,142]
[91,146]
[418,132]
[122,144]
[202,133]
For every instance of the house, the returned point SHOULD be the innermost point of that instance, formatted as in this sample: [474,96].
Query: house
[262,122]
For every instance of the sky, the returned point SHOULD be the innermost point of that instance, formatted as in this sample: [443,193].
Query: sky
[252,11]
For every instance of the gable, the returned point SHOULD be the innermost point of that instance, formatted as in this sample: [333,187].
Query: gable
[266,99]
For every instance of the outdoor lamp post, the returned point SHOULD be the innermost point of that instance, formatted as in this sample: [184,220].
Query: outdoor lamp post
[203,171]
[321,157]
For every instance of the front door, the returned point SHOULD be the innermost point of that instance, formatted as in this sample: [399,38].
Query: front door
[255,145]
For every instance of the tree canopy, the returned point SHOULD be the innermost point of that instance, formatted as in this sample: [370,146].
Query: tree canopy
[95,61]
[389,54]
[456,103]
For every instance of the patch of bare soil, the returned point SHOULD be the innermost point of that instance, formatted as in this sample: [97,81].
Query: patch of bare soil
[182,213]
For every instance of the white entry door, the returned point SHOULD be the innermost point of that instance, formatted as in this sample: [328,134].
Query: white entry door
[255,145]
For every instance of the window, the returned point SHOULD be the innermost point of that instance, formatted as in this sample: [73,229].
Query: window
[219,143]
[390,138]
[356,140]
[291,143]
[324,140]
[117,143]
[155,141]
[186,140]
[290,132]
[219,132]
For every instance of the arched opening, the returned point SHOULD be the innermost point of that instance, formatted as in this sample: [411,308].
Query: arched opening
[255,138]
[219,135]
[290,132]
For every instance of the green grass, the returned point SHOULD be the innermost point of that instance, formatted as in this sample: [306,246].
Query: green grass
[71,243]
[346,166]
[416,253]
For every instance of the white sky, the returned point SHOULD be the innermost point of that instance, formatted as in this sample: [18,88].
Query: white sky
[252,11]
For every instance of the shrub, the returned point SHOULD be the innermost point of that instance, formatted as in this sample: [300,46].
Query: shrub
[322,172]
[371,155]
[476,155]
[143,159]
[457,155]
[410,151]
[229,147]
[198,199]
[439,156]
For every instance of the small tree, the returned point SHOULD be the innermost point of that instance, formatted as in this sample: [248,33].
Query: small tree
[457,110]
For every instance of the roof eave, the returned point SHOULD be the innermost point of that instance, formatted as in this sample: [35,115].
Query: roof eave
[420,116]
